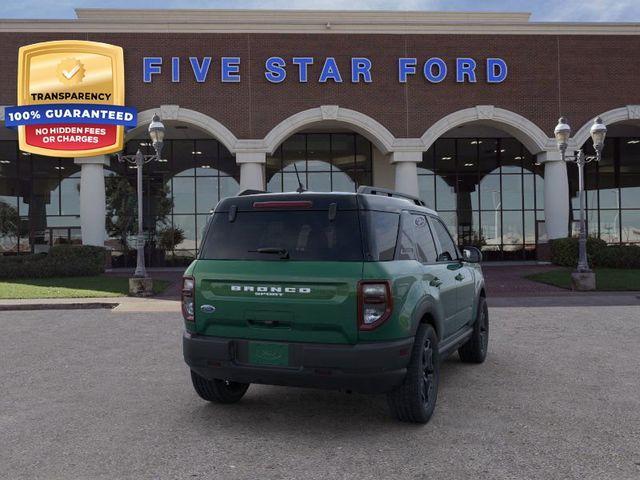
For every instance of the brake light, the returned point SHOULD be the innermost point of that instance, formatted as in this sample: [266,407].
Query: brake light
[284,204]
[375,303]
[188,298]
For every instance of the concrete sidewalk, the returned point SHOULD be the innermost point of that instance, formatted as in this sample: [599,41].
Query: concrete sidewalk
[506,287]
[118,304]
[159,304]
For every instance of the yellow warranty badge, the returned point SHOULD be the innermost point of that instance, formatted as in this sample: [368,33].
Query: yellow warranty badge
[71,72]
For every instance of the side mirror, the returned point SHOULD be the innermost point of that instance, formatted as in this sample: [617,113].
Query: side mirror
[471,254]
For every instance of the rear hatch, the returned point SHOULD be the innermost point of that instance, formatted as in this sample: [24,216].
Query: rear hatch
[284,269]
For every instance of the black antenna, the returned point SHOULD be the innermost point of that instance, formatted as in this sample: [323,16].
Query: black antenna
[300,188]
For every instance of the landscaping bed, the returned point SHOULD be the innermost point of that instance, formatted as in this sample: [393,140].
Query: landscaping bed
[71,287]
[607,279]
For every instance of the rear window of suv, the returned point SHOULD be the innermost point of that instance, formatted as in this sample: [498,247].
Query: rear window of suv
[304,235]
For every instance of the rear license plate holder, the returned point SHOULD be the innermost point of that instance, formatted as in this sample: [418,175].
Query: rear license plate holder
[269,354]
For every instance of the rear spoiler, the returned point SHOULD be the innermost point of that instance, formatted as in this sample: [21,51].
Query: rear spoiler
[249,191]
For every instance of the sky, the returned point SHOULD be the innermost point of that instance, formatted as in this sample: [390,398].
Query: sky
[542,10]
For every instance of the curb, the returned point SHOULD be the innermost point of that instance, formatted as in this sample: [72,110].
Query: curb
[57,306]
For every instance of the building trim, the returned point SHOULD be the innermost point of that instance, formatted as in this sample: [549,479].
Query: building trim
[527,132]
[622,114]
[275,16]
[311,21]
[377,133]
[192,117]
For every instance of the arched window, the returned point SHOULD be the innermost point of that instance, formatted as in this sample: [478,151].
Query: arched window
[193,176]
[612,189]
[325,162]
[487,190]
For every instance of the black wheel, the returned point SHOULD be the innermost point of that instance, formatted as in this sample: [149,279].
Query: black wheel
[415,400]
[475,350]
[218,391]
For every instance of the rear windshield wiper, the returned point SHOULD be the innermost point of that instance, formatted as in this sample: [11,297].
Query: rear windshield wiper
[284,254]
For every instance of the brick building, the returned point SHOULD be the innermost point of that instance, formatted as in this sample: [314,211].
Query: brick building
[458,108]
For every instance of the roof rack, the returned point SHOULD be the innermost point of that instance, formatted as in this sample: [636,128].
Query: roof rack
[390,193]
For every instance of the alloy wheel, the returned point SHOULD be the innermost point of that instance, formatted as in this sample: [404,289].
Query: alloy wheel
[428,377]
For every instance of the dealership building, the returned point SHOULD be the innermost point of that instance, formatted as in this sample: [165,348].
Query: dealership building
[456,108]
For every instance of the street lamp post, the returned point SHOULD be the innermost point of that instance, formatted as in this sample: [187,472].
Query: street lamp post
[156,133]
[583,278]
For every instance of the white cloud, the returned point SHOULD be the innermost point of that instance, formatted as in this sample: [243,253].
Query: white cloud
[595,11]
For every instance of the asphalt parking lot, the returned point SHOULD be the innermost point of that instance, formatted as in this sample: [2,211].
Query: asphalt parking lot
[102,395]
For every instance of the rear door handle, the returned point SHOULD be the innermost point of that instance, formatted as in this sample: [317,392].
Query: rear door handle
[459,277]
[435,282]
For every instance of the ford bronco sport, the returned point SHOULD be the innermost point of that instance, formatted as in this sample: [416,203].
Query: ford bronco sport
[362,292]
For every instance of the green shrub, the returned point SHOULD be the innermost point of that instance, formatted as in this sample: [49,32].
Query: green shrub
[61,261]
[169,237]
[564,252]
[618,256]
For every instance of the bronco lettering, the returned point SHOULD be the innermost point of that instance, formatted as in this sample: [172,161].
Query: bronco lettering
[264,289]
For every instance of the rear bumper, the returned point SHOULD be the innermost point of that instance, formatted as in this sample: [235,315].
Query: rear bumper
[366,368]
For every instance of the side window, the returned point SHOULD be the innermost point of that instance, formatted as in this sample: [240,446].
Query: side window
[382,234]
[406,250]
[425,246]
[449,251]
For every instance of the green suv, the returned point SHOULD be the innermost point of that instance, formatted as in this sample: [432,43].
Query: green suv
[362,292]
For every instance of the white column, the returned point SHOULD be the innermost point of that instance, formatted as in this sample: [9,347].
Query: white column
[251,170]
[384,174]
[406,165]
[556,194]
[93,209]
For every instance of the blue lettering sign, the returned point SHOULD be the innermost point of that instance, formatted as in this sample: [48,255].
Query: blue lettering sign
[465,67]
[151,66]
[275,69]
[303,64]
[360,67]
[428,70]
[435,69]
[330,71]
[496,70]
[200,71]
[406,66]
[175,69]
[230,70]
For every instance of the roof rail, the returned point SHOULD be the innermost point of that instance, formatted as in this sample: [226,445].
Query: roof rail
[390,193]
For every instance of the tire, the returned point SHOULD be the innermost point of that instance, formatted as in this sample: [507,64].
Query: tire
[218,391]
[415,400]
[475,350]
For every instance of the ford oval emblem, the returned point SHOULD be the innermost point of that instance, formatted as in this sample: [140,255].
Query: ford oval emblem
[208,308]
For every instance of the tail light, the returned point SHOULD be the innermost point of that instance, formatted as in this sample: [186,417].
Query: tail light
[188,298]
[375,303]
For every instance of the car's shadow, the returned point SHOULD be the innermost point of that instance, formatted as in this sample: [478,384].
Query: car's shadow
[308,410]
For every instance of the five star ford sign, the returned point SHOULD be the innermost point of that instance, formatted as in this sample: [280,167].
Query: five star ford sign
[71,99]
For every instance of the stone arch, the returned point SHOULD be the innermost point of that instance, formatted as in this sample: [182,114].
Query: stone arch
[197,119]
[382,138]
[527,132]
[622,114]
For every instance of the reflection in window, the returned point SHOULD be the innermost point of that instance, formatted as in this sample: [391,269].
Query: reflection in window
[325,162]
[70,195]
[630,224]
[487,190]
[630,189]
[612,191]
[194,175]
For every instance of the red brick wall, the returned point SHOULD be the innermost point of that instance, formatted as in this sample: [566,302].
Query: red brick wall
[578,76]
